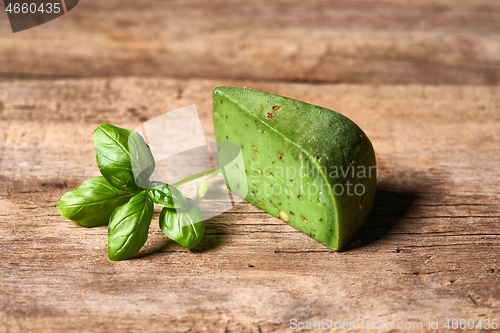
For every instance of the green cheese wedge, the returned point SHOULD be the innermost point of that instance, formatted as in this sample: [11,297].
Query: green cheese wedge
[310,166]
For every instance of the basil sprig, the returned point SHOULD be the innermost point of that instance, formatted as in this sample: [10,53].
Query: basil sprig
[124,197]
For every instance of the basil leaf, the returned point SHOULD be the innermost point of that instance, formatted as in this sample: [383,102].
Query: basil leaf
[123,157]
[184,226]
[92,203]
[166,195]
[129,226]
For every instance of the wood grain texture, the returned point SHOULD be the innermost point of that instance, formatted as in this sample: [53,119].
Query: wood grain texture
[428,251]
[353,41]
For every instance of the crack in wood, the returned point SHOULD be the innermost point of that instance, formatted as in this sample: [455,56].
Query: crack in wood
[473,301]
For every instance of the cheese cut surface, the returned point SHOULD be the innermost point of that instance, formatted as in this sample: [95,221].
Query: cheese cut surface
[310,166]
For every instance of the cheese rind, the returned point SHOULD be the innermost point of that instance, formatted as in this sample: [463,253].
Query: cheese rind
[310,166]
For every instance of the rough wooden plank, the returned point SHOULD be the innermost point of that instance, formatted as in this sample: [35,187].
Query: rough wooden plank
[429,250]
[442,41]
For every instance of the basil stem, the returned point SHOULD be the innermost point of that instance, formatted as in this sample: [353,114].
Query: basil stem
[209,173]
